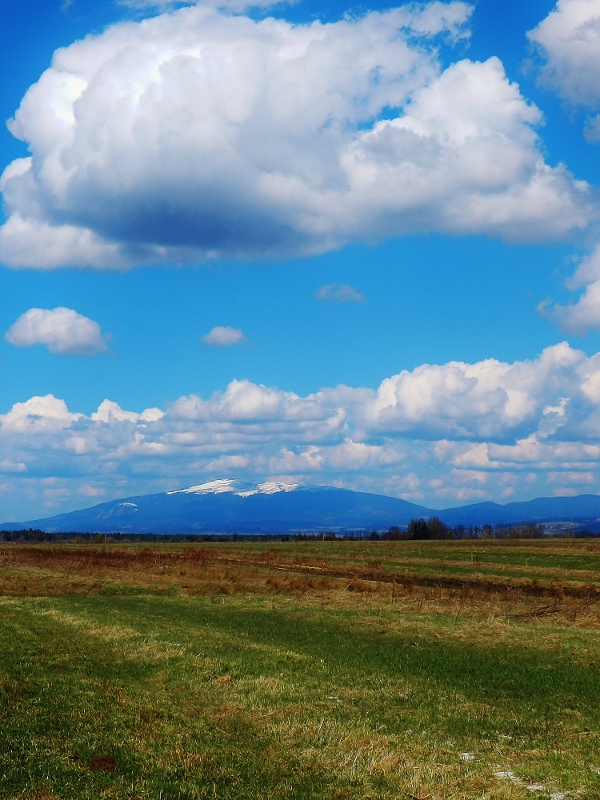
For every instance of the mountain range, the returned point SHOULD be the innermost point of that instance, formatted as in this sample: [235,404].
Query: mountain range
[231,506]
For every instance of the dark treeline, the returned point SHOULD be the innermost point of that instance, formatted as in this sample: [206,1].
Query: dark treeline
[35,535]
[434,528]
[418,529]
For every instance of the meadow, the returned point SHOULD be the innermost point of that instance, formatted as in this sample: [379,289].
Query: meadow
[335,669]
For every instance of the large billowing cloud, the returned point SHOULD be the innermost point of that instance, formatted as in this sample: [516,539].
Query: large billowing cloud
[439,434]
[62,330]
[489,400]
[569,40]
[197,133]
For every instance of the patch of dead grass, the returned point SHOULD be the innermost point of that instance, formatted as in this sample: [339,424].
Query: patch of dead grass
[221,571]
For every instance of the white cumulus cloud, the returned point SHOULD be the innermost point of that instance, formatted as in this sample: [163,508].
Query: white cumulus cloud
[224,336]
[440,434]
[583,315]
[62,330]
[199,133]
[569,41]
[487,400]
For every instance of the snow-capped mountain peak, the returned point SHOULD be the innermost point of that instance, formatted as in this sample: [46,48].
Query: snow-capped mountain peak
[239,488]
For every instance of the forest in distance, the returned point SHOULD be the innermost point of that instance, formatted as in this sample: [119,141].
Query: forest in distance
[417,530]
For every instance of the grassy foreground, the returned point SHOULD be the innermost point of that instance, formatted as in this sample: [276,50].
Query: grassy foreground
[300,670]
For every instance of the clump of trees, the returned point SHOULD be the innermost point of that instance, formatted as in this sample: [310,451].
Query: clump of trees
[394,534]
[526,532]
[433,528]
[26,535]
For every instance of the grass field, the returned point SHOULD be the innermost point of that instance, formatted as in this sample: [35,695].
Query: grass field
[300,670]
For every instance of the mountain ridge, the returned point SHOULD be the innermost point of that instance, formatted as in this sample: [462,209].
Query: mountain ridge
[229,505]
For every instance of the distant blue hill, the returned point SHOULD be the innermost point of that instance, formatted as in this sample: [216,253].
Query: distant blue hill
[229,506]
[542,509]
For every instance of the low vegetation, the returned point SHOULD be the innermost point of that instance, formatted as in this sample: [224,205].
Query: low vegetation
[334,669]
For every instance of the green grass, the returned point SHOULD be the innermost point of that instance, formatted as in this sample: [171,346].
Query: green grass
[216,681]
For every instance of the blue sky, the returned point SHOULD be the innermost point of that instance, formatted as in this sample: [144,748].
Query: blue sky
[361,253]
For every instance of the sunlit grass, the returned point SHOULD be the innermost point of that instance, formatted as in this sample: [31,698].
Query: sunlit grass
[236,672]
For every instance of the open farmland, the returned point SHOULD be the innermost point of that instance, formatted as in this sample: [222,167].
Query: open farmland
[295,670]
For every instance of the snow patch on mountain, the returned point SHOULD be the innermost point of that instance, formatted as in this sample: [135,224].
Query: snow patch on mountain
[237,487]
[210,487]
[270,487]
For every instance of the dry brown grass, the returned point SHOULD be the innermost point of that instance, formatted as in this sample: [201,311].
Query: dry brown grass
[218,571]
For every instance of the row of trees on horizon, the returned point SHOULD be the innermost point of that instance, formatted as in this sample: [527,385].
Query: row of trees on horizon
[417,530]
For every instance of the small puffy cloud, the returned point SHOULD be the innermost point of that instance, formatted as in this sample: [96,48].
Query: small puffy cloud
[569,42]
[199,133]
[340,292]
[38,415]
[91,491]
[109,412]
[224,336]
[62,330]
[582,315]
[10,466]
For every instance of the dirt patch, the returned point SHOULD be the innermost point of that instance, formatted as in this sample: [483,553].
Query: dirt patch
[102,764]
